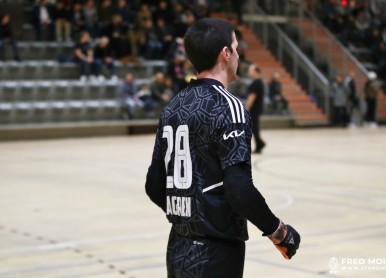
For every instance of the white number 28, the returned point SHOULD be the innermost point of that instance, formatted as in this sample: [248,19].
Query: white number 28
[182,173]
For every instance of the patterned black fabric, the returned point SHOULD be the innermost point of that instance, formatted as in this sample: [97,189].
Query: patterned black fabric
[203,257]
[202,131]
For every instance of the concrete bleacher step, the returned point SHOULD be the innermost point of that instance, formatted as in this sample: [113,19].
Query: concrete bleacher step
[304,111]
[53,70]
[381,107]
[23,102]
[325,42]
[41,50]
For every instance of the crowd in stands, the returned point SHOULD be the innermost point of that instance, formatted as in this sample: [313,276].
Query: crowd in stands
[360,23]
[105,31]
[351,108]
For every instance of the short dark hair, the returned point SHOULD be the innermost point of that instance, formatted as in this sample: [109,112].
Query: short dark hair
[205,39]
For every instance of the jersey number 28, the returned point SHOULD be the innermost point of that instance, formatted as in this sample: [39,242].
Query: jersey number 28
[182,173]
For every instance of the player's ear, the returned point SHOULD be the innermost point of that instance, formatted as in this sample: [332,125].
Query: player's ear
[225,53]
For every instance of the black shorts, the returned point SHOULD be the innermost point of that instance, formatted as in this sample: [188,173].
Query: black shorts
[204,258]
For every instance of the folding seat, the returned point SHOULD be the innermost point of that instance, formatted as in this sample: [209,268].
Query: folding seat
[38,50]
[41,104]
[41,111]
[92,110]
[13,70]
[26,91]
[111,110]
[110,90]
[61,90]
[49,70]
[23,112]
[76,111]
[7,113]
[58,111]
[78,90]
[32,70]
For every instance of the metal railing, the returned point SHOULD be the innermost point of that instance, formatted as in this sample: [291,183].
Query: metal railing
[303,70]
[324,44]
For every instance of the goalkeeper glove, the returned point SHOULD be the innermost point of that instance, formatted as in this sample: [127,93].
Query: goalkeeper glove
[286,240]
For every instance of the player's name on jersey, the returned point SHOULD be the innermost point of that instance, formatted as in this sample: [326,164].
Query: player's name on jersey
[180,206]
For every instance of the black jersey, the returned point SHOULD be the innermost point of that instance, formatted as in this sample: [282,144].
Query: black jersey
[202,131]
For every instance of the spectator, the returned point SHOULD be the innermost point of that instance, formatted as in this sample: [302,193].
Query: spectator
[179,17]
[242,48]
[166,34]
[103,56]
[380,59]
[127,15]
[371,91]
[145,95]
[279,104]
[176,70]
[105,14]
[255,103]
[42,14]
[91,18]
[6,36]
[119,36]
[151,42]
[170,88]
[158,87]
[62,21]
[353,100]
[130,101]
[85,56]
[143,16]
[163,12]
[176,49]
[339,95]
[78,18]
[362,25]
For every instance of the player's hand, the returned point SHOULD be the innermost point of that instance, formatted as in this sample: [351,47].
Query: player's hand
[286,240]
[290,243]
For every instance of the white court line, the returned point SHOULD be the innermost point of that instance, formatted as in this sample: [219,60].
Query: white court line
[73,244]
[287,203]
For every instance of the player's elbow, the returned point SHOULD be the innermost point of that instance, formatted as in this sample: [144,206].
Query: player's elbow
[155,187]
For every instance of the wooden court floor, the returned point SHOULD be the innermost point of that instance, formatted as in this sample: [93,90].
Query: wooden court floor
[77,207]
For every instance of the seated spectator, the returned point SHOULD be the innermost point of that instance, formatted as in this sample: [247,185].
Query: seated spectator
[166,35]
[164,12]
[127,15]
[62,21]
[103,56]
[6,36]
[105,14]
[145,95]
[130,99]
[43,17]
[143,16]
[152,46]
[84,55]
[176,70]
[279,103]
[157,88]
[119,36]
[176,49]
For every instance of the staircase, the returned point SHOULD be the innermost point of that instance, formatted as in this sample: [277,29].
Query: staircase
[303,109]
[339,59]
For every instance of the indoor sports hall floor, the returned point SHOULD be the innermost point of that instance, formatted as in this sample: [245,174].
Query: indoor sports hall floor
[76,208]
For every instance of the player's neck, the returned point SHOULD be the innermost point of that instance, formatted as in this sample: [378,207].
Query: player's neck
[220,76]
